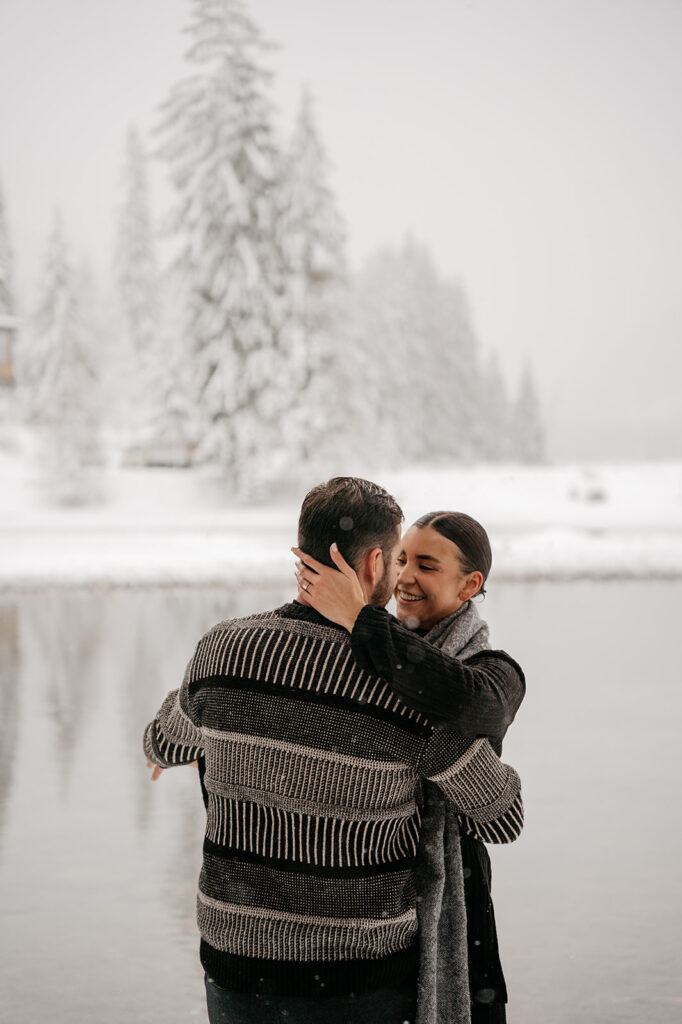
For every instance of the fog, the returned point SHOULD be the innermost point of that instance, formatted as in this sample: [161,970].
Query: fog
[533,147]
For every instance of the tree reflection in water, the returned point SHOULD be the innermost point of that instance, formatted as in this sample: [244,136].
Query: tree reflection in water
[62,642]
[9,701]
[94,857]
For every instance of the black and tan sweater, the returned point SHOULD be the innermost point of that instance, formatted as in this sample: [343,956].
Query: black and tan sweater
[313,770]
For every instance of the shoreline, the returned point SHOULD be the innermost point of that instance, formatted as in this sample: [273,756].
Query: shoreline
[33,584]
[169,529]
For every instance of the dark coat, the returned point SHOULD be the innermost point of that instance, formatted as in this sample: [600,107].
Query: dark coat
[478,697]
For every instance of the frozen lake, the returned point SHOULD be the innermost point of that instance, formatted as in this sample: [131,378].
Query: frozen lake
[98,867]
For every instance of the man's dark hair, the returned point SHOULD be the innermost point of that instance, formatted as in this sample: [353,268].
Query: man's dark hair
[357,514]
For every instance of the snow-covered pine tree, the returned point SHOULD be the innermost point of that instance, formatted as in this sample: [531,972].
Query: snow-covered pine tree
[217,137]
[378,299]
[424,381]
[495,413]
[60,382]
[454,373]
[8,327]
[527,433]
[139,360]
[172,429]
[311,234]
[6,289]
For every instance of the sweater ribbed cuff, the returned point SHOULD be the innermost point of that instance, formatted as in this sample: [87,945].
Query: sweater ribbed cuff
[479,784]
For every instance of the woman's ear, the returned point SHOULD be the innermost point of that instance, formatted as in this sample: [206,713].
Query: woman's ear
[472,586]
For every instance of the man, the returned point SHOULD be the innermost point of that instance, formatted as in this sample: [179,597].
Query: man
[306,902]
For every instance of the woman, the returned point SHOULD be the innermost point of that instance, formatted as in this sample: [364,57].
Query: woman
[437,658]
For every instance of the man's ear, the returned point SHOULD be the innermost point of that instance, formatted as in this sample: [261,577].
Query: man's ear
[374,566]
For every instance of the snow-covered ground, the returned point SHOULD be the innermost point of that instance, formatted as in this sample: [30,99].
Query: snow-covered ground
[165,527]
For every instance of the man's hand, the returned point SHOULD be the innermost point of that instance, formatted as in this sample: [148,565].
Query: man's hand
[156,774]
[336,595]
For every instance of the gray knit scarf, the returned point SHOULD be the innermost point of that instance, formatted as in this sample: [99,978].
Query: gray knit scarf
[443,987]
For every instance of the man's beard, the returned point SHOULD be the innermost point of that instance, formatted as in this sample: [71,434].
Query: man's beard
[383,591]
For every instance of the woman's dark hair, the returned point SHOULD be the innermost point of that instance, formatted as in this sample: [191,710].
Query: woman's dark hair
[468,535]
[356,513]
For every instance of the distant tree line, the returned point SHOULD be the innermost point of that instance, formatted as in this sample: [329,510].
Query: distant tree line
[254,349]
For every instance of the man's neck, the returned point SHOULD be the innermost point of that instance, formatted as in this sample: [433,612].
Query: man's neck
[306,611]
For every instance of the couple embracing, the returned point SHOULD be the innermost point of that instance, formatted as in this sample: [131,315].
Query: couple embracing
[351,772]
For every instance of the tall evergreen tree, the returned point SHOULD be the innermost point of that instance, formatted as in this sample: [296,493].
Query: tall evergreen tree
[390,319]
[527,430]
[6,289]
[461,374]
[312,240]
[495,413]
[424,377]
[60,383]
[140,361]
[7,326]
[217,137]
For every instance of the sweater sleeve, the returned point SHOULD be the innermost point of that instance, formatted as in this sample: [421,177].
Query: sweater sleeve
[478,697]
[174,735]
[483,792]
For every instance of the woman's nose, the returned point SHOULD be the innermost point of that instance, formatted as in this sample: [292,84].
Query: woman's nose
[405,575]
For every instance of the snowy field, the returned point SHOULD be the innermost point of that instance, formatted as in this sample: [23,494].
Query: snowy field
[166,527]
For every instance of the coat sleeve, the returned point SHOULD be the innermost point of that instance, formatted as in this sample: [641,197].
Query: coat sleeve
[174,736]
[483,792]
[479,696]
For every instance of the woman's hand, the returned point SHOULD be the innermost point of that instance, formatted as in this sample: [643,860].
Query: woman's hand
[336,595]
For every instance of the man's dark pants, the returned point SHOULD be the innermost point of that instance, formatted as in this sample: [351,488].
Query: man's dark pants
[386,1006]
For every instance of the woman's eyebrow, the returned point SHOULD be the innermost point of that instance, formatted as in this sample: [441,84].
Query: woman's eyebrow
[429,558]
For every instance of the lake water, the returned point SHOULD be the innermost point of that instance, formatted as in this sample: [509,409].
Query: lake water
[98,866]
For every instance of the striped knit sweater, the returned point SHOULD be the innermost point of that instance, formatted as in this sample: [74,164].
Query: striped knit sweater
[313,772]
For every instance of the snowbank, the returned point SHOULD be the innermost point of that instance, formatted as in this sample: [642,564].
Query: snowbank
[165,527]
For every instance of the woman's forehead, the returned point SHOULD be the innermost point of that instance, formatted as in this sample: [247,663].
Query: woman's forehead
[429,542]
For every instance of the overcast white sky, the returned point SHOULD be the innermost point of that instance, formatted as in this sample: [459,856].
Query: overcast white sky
[534,145]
